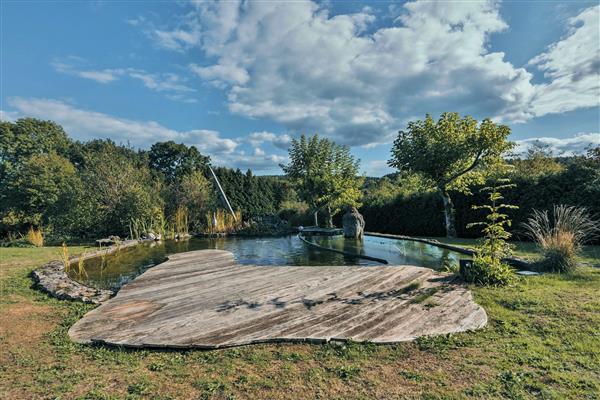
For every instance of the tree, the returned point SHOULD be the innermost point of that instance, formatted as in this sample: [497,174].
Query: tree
[44,188]
[539,161]
[194,193]
[488,267]
[325,175]
[450,153]
[175,160]
[120,187]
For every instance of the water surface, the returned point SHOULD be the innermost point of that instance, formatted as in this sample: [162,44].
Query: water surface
[124,265]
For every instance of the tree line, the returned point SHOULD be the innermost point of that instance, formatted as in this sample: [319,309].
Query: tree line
[77,189]
[72,189]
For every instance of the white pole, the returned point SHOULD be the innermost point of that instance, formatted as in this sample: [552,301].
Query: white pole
[222,193]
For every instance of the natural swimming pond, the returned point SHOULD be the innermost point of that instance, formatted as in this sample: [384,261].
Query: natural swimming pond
[122,266]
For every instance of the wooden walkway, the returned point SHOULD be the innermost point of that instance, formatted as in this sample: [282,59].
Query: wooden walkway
[204,299]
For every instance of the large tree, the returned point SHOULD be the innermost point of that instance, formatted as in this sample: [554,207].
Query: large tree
[451,153]
[176,160]
[325,175]
[45,189]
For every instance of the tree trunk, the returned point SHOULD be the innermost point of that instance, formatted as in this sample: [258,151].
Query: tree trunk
[449,214]
[317,218]
[329,218]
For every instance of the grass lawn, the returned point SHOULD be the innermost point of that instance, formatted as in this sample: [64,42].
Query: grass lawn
[542,341]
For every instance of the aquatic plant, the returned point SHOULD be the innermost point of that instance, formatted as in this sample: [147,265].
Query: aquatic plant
[80,265]
[180,223]
[221,221]
[64,257]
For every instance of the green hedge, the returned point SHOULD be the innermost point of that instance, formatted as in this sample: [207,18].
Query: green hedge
[422,214]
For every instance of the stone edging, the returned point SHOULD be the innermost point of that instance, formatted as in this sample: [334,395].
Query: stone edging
[52,278]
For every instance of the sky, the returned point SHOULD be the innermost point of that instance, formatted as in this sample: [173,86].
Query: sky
[240,79]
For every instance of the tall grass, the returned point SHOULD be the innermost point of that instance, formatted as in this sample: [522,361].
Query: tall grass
[221,221]
[35,236]
[561,235]
[180,221]
[64,257]
[80,265]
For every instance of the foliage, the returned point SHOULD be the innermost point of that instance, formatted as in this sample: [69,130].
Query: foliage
[174,160]
[222,221]
[24,138]
[43,189]
[193,192]
[494,227]
[324,174]
[578,184]
[539,161]
[119,185]
[487,267]
[561,236]
[377,192]
[452,153]
[35,236]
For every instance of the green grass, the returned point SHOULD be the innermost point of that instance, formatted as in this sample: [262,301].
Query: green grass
[590,255]
[542,341]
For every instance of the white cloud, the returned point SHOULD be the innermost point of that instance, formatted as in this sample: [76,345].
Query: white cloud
[280,141]
[85,125]
[340,76]
[177,39]
[162,82]
[100,76]
[573,67]
[158,82]
[564,147]
[221,73]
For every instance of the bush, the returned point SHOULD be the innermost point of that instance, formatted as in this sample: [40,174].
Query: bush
[486,271]
[561,236]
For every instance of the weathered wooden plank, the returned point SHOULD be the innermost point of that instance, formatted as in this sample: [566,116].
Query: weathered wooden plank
[204,299]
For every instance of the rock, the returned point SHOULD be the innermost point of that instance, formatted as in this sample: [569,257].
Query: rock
[353,223]
[112,239]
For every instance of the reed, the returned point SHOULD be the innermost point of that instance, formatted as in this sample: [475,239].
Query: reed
[64,257]
[180,222]
[35,236]
[221,221]
[80,265]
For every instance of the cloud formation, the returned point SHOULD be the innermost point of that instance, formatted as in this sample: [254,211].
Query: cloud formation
[170,83]
[358,82]
[85,125]
[577,144]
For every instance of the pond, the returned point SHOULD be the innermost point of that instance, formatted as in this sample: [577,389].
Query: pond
[127,263]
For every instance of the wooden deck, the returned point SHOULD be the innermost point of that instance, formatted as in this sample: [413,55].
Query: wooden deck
[204,299]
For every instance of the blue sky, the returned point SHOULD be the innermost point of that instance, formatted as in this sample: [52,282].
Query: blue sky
[239,79]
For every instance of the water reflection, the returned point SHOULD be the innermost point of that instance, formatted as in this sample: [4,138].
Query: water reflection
[120,267]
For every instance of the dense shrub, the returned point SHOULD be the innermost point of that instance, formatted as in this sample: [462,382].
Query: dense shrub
[578,184]
[486,271]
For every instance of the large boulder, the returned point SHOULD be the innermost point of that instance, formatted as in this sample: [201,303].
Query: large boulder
[353,223]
